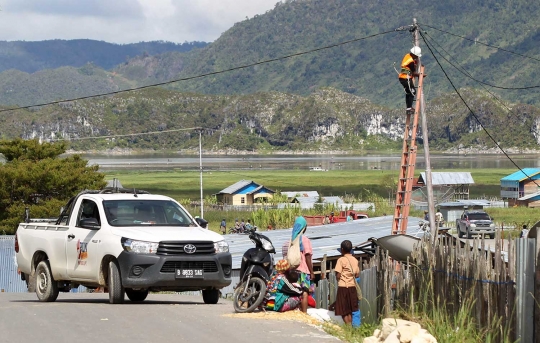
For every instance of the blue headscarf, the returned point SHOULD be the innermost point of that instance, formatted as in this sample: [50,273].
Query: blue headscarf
[300,226]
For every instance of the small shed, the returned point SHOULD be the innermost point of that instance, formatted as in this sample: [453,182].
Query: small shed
[244,192]
[452,210]
[309,202]
[522,188]
[459,181]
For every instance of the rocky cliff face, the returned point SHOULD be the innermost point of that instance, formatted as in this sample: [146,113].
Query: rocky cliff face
[326,119]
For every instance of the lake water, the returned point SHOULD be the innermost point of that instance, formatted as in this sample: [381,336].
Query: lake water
[291,162]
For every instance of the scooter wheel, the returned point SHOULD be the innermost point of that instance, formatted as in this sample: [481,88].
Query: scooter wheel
[247,299]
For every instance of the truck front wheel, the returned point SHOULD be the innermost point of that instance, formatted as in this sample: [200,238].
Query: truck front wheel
[136,296]
[210,296]
[116,290]
[46,286]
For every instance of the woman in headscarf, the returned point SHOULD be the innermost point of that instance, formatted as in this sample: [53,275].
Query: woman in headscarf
[305,269]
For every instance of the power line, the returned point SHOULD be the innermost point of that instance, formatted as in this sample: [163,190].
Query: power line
[201,75]
[485,44]
[473,114]
[464,72]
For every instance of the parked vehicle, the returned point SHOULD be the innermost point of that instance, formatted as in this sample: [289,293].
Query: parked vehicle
[475,223]
[233,230]
[341,217]
[128,241]
[255,270]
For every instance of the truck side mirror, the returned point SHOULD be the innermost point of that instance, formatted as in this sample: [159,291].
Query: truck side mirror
[202,223]
[90,223]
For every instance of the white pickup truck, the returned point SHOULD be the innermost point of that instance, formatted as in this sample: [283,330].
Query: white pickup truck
[129,243]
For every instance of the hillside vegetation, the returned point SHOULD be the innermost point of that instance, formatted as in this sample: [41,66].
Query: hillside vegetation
[326,119]
[51,54]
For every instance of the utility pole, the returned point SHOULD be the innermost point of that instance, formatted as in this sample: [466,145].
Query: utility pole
[201,171]
[429,185]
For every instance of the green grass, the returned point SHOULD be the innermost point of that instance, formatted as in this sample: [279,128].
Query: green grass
[186,184]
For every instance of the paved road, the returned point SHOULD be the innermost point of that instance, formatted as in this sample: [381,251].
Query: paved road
[77,318]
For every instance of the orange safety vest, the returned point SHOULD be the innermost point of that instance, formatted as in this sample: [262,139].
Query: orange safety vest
[407,63]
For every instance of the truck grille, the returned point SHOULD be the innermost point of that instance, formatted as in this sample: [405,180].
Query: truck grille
[207,266]
[483,224]
[171,248]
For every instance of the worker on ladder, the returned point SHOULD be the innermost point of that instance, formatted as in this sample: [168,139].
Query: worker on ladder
[409,67]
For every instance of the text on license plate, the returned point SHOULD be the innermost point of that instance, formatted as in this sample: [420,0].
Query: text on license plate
[189,273]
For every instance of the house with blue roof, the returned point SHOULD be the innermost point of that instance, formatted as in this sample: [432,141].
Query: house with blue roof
[244,192]
[522,188]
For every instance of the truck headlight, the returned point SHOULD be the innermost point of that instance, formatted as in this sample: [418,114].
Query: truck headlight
[473,225]
[139,247]
[492,225]
[221,246]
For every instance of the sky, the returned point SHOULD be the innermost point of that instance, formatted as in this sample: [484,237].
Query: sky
[124,21]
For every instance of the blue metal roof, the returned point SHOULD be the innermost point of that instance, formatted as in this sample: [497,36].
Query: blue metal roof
[232,189]
[521,175]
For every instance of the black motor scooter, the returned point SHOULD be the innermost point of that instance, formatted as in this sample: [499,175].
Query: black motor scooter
[256,268]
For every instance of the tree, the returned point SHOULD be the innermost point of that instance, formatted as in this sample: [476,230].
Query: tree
[35,176]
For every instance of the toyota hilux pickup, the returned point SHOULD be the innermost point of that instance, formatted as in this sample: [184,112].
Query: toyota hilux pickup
[129,242]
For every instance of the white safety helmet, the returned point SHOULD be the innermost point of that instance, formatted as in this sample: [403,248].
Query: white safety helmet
[416,51]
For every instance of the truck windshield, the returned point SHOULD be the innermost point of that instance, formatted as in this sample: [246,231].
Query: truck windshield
[146,212]
[479,216]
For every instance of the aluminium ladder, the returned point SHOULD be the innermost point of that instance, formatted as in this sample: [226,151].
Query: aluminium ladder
[408,161]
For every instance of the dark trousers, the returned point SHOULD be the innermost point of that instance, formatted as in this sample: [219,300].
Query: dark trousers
[410,91]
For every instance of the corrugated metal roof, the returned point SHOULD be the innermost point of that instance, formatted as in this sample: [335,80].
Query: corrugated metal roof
[530,196]
[522,174]
[325,239]
[259,188]
[314,200]
[236,187]
[463,203]
[448,178]
[301,194]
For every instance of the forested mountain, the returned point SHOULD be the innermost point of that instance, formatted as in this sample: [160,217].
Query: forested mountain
[364,68]
[51,54]
[346,97]
[326,119]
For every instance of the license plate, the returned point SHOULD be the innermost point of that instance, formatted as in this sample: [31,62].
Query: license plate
[189,273]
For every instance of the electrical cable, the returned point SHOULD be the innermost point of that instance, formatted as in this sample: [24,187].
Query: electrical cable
[200,75]
[473,114]
[464,72]
[485,44]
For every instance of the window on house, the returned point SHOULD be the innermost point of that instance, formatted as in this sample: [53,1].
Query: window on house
[243,200]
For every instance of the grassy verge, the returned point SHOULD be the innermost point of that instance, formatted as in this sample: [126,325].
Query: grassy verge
[348,333]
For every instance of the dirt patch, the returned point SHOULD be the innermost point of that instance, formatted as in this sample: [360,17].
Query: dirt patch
[297,316]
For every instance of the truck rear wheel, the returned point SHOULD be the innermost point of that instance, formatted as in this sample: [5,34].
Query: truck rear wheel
[210,296]
[46,286]
[136,295]
[116,290]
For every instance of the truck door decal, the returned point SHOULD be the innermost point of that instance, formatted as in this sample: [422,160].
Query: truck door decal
[82,253]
